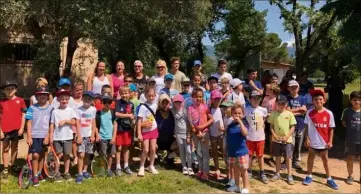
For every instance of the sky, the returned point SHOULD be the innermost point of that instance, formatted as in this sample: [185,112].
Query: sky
[274,23]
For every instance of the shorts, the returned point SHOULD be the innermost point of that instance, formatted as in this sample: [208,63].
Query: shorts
[12,136]
[280,149]
[86,146]
[241,161]
[353,149]
[153,134]
[318,150]
[37,146]
[106,148]
[256,147]
[64,147]
[124,138]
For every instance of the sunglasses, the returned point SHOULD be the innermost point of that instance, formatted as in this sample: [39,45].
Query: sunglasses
[137,66]
[160,67]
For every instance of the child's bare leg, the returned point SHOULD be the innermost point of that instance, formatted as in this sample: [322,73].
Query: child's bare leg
[57,164]
[86,162]
[261,162]
[74,152]
[14,151]
[244,176]
[66,159]
[289,166]
[152,151]
[215,155]
[81,162]
[236,170]
[310,159]
[5,154]
[350,165]
[125,156]
[324,157]
[118,156]
[41,162]
[35,163]
[145,152]
[278,164]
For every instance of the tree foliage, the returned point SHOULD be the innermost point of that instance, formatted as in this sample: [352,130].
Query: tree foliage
[274,50]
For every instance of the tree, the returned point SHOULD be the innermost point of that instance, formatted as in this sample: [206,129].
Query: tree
[243,35]
[274,50]
[316,27]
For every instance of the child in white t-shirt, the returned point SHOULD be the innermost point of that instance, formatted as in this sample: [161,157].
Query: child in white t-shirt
[86,128]
[217,128]
[147,131]
[237,94]
[61,132]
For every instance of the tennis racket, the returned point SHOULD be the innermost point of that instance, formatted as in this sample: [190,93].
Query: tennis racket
[51,163]
[99,164]
[26,174]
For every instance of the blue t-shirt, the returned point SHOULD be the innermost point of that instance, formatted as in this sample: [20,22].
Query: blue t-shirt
[236,142]
[185,95]
[123,107]
[207,98]
[106,125]
[294,103]
[257,83]
[40,118]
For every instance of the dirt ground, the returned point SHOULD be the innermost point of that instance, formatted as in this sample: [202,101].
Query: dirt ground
[337,166]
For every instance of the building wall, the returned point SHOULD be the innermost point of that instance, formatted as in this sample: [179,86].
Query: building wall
[279,69]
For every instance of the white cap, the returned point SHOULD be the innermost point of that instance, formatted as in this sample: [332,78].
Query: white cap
[293,83]
[236,82]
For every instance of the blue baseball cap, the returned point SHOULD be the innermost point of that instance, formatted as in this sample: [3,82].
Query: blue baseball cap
[89,93]
[64,81]
[197,63]
[169,76]
[133,87]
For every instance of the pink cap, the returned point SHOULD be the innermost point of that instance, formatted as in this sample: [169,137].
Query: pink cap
[178,98]
[216,94]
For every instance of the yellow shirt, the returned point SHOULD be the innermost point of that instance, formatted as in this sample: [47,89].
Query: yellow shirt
[282,123]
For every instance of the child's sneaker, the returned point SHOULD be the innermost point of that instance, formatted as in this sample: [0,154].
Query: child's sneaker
[307,181]
[110,173]
[141,171]
[234,188]
[58,178]
[67,177]
[204,177]
[118,172]
[41,178]
[87,175]
[153,170]
[35,181]
[231,183]
[127,170]
[199,174]
[275,177]
[331,183]
[263,178]
[290,180]
[79,179]
[349,180]
[244,191]
[5,173]
[190,172]
[185,171]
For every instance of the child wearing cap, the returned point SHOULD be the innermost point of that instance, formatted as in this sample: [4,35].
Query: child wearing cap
[86,129]
[282,126]
[237,93]
[38,119]
[12,122]
[216,129]
[39,83]
[319,133]
[105,120]
[186,85]
[168,80]
[124,111]
[181,134]
[297,105]
[200,119]
[64,84]
[61,132]
[351,120]
[256,116]
[237,150]
[226,108]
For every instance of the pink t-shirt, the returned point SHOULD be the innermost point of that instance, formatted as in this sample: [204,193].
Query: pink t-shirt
[118,82]
[198,115]
[269,104]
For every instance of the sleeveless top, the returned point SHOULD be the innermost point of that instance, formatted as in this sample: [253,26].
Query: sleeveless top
[97,84]
[117,84]
[140,83]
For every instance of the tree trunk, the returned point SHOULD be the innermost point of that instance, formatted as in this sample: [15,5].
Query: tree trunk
[72,46]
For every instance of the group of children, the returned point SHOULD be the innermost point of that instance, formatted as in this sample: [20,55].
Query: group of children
[232,116]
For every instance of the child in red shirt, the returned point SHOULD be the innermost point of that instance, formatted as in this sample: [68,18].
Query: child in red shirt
[12,121]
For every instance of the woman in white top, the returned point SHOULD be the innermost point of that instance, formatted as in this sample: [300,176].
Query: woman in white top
[97,80]
[162,70]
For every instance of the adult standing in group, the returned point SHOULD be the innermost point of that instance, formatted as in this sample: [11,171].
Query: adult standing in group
[139,79]
[197,70]
[97,80]
[118,78]
[162,70]
[252,80]
[222,71]
[305,84]
[178,75]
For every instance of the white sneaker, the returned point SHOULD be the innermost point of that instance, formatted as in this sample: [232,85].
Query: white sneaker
[190,172]
[153,170]
[185,171]
[141,171]
[234,188]
[244,191]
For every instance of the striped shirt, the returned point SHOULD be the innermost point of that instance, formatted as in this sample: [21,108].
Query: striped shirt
[40,117]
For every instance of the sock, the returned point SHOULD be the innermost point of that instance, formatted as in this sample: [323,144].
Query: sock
[310,175]
[118,166]
[84,171]
[329,178]
[125,165]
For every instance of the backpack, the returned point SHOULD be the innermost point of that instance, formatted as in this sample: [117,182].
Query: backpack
[98,118]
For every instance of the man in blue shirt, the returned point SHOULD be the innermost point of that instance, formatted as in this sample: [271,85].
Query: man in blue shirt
[251,80]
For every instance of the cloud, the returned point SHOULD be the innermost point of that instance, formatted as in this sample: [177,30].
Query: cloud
[291,42]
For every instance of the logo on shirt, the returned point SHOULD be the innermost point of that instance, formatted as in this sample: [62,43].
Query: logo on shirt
[17,101]
[325,119]
[321,125]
